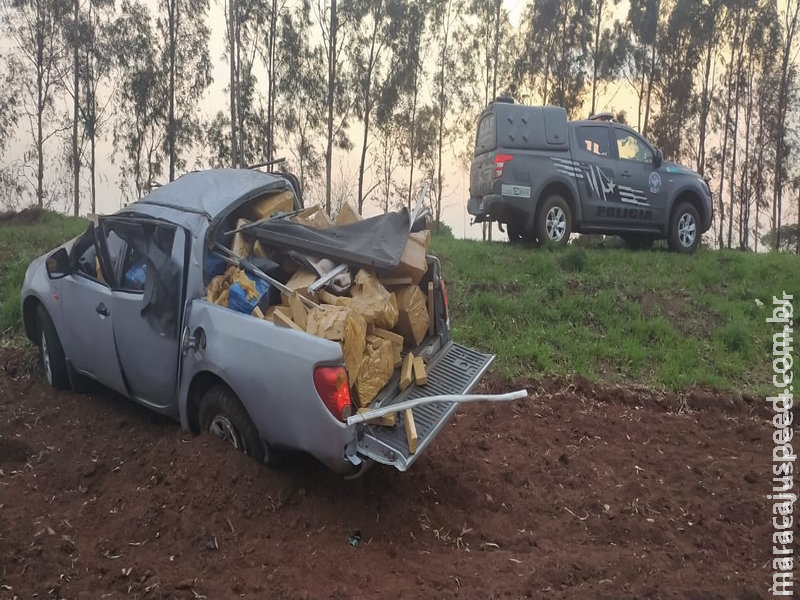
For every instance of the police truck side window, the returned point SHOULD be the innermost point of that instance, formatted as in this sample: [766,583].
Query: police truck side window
[630,147]
[594,140]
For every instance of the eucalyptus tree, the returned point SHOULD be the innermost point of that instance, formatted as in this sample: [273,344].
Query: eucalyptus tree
[181,25]
[37,63]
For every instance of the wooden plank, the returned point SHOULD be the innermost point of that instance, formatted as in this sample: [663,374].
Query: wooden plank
[411,430]
[284,321]
[384,421]
[387,281]
[393,337]
[257,312]
[420,375]
[298,311]
[405,371]
[430,308]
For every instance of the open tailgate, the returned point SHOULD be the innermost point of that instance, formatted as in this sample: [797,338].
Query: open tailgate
[454,370]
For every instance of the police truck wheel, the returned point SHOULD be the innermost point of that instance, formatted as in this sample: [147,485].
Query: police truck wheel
[553,221]
[684,229]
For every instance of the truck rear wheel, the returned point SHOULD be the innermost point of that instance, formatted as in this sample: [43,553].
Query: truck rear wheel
[684,229]
[223,415]
[553,221]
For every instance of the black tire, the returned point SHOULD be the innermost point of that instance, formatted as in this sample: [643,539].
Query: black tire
[51,352]
[222,414]
[684,229]
[636,241]
[553,221]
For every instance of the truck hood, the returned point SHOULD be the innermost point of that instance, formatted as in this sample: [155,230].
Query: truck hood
[678,169]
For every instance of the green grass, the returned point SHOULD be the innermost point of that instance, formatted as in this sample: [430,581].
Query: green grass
[20,243]
[617,315]
[612,315]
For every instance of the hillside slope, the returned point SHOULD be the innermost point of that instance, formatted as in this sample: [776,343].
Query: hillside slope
[616,315]
[611,315]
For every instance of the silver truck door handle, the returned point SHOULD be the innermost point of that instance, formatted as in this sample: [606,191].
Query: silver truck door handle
[102,310]
[625,174]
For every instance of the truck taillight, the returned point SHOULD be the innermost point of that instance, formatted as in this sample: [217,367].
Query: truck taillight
[500,161]
[444,293]
[334,389]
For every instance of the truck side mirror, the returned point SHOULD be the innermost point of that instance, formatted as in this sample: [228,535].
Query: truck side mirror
[658,158]
[57,264]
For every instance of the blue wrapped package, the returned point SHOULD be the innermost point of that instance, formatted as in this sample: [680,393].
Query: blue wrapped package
[136,275]
[238,299]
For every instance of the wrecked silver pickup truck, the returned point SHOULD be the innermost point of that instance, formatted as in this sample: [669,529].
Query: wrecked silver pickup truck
[126,304]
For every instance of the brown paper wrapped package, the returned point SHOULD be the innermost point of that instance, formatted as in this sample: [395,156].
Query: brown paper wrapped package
[343,325]
[373,302]
[414,320]
[413,262]
[299,283]
[376,370]
[347,214]
[281,202]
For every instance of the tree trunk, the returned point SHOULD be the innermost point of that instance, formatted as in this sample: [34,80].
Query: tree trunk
[596,53]
[721,238]
[331,85]
[367,109]
[650,81]
[413,132]
[233,54]
[783,94]
[172,8]
[76,159]
[271,100]
[705,97]
[737,96]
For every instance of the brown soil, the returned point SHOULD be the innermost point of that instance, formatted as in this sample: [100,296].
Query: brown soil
[582,491]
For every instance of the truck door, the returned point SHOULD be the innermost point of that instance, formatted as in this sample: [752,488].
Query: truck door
[86,314]
[594,167]
[146,301]
[640,183]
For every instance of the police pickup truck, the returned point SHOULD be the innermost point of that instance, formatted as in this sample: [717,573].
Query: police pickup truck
[544,177]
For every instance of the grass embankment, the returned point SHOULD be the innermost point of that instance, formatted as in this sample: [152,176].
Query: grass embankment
[609,314]
[617,315]
[23,237]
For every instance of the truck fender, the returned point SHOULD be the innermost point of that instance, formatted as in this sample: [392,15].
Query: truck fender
[692,194]
[555,185]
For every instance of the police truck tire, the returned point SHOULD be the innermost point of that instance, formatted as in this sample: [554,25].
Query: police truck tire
[684,229]
[553,221]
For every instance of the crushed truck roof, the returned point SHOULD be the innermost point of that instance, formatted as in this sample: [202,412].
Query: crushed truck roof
[212,193]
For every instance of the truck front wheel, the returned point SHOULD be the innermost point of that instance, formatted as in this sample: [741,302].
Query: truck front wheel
[553,221]
[684,232]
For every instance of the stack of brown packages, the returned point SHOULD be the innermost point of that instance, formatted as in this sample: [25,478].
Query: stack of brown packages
[372,324]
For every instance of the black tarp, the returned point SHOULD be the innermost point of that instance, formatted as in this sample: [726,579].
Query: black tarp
[376,243]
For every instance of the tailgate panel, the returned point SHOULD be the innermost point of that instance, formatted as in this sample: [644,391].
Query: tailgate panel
[455,370]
